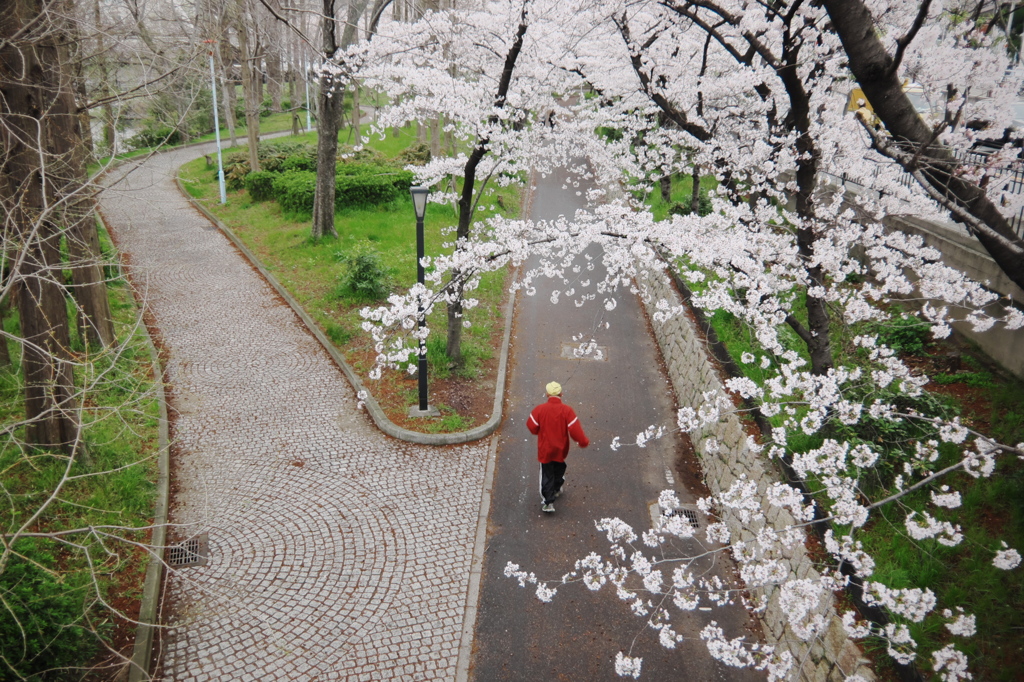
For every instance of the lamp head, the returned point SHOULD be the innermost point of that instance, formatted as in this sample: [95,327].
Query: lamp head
[419,200]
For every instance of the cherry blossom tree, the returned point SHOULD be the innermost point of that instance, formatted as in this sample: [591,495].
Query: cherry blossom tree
[755,94]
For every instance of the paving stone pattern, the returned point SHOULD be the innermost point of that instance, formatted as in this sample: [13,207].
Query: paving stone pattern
[831,656]
[336,552]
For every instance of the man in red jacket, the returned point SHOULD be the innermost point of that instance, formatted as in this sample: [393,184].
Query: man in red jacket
[554,423]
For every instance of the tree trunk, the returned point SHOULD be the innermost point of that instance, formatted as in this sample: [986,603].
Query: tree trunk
[109,131]
[435,137]
[665,185]
[228,87]
[274,78]
[330,99]
[5,353]
[95,321]
[50,406]
[36,91]
[818,336]
[356,111]
[695,190]
[252,117]
[454,344]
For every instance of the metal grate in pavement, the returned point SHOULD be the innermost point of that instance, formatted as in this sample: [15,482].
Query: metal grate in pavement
[192,552]
[689,514]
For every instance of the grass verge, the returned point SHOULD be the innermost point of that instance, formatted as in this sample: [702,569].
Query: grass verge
[59,595]
[315,273]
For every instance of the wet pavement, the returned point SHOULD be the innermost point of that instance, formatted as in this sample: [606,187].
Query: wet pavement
[336,551]
[340,553]
[577,635]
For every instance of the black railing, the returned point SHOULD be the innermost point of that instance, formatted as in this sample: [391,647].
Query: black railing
[1013,172]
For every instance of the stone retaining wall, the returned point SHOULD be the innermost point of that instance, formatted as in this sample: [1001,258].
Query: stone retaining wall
[831,657]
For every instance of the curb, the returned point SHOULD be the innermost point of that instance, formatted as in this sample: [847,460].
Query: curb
[375,411]
[476,570]
[142,651]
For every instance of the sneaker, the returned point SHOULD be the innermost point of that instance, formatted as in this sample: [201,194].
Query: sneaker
[559,493]
[549,508]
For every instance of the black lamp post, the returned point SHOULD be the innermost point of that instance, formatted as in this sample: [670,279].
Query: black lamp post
[419,204]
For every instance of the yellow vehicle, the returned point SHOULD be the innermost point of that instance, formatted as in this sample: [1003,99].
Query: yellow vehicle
[857,100]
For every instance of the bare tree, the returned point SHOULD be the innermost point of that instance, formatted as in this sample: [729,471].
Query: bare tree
[244,23]
[39,121]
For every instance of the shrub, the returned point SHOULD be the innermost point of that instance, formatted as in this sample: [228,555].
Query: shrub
[260,185]
[904,334]
[704,206]
[363,190]
[365,276]
[154,137]
[417,154]
[363,185]
[286,155]
[364,156]
[295,191]
[42,618]
[303,162]
[236,167]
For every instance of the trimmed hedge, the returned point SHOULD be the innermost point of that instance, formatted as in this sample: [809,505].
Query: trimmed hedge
[295,191]
[292,182]
[368,186]
[261,185]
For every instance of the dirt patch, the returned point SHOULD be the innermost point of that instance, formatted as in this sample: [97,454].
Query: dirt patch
[465,401]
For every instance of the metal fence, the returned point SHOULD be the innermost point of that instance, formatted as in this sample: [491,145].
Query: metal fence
[1013,170]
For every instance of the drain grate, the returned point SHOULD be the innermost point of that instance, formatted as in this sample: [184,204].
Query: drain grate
[689,514]
[192,552]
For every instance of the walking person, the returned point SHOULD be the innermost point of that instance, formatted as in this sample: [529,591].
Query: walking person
[554,423]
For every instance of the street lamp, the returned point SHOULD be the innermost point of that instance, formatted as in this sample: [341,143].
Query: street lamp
[216,129]
[419,204]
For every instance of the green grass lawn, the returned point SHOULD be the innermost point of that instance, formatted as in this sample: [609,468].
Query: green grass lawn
[314,272]
[50,615]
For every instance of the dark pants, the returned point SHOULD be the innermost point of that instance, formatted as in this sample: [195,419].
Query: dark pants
[552,476]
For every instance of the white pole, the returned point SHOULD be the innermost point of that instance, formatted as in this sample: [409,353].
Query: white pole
[216,130]
[309,119]
[1009,30]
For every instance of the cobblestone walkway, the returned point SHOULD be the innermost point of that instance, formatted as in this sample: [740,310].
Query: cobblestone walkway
[336,552]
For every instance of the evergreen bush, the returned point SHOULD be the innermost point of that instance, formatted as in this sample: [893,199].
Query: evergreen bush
[303,162]
[704,206]
[260,185]
[904,334]
[236,167]
[417,154]
[364,185]
[295,191]
[43,627]
[154,137]
[365,276]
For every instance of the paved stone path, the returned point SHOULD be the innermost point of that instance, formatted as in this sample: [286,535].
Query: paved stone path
[336,552]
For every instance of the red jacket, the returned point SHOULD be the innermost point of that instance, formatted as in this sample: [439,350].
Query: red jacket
[555,422]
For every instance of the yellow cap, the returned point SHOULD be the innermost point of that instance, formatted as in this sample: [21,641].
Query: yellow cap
[554,388]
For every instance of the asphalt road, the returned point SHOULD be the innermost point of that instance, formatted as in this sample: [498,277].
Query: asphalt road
[577,636]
